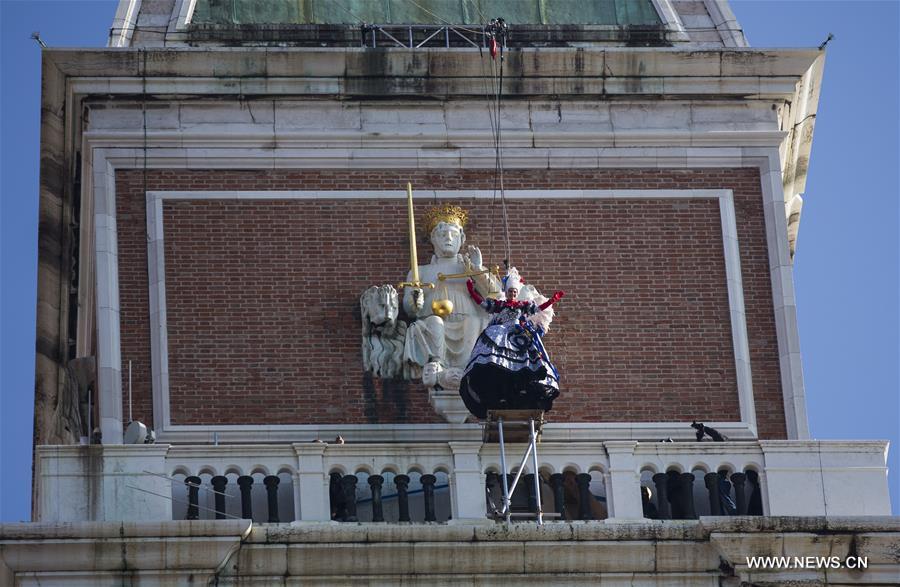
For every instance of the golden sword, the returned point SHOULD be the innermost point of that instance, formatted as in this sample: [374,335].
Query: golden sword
[413,255]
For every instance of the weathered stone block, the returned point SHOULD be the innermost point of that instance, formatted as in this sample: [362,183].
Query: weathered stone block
[590,557]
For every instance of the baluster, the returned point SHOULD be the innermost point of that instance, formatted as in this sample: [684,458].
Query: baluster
[559,494]
[648,508]
[193,485]
[728,506]
[673,490]
[584,496]
[662,497]
[271,482]
[754,507]
[515,498]
[687,496]
[336,497]
[218,483]
[492,492]
[532,498]
[245,482]
[711,480]
[375,483]
[348,484]
[428,482]
[402,483]
[738,480]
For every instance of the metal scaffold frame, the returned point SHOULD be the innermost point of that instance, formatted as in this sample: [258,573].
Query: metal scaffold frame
[407,35]
[517,420]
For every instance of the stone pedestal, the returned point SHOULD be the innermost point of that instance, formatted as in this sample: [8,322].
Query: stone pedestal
[312,482]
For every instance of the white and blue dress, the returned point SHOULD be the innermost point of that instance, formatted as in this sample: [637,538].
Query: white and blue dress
[509,368]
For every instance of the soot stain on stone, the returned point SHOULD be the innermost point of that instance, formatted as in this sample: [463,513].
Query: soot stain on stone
[370,398]
[396,393]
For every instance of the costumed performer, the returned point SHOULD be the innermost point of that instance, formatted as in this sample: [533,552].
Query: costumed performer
[509,368]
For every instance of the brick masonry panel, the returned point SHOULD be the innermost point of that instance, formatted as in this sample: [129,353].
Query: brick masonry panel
[262,295]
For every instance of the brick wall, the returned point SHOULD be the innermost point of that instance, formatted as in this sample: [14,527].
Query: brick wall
[262,296]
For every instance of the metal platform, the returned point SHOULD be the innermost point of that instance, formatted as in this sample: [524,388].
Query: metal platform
[502,426]
[515,425]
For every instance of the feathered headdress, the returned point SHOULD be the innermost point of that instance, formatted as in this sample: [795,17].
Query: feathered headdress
[512,279]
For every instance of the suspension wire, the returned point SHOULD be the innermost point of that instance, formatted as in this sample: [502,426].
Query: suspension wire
[493,96]
[495,110]
[347,10]
[488,94]
[181,501]
[498,29]
[185,482]
[478,10]
[508,260]
[445,22]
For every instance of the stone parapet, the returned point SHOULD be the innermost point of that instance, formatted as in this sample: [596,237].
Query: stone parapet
[147,483]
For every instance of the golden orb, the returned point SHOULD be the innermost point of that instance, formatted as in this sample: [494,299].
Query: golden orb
[441,308]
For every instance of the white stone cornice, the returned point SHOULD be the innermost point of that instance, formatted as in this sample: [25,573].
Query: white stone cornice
[454,142]
[877,448]
[743,87]
[467,158]
[350,63]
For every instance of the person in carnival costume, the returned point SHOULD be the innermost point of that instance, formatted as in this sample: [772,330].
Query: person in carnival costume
[509,368]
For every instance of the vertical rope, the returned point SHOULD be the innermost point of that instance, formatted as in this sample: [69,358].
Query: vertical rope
[508,259]
[494,113]
[489,95]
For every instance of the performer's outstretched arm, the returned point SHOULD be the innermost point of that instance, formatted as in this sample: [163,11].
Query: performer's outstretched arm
[474,293]
[555,298]
[490,306]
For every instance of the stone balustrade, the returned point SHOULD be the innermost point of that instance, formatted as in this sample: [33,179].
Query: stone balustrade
[436,482]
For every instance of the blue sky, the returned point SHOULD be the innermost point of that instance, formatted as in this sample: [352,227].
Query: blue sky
[846,269]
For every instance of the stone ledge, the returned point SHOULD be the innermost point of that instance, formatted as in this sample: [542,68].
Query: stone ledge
[710,551]
[563,64]
[118,530]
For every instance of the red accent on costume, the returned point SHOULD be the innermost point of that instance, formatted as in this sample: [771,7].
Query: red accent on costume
[493,47]
[556,297]
[472,292]
[511,304]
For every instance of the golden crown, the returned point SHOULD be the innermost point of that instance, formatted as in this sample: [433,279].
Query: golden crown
[445,213]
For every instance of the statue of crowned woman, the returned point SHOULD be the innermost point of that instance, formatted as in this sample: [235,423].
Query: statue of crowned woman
[440,339]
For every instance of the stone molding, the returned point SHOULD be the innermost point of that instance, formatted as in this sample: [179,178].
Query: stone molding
[272,70]
[228,433]
[709,551]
